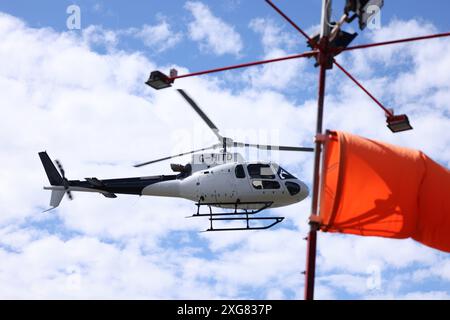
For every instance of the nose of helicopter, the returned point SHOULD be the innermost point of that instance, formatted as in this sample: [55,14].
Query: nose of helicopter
[297,189]
[304,190]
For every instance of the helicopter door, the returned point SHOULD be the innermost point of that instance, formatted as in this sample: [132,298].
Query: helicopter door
[240,182]
[263,181]
[216,185]
[226,190]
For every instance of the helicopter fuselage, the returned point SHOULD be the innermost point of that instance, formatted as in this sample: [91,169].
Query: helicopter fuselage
[234,183]
[243,185]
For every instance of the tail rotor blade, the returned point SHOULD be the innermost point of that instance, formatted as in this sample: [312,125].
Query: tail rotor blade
[61,169]
[65,181]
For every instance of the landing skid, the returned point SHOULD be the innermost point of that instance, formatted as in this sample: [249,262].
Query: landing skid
[238,215]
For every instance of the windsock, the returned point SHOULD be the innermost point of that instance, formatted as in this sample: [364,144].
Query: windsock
[371,188]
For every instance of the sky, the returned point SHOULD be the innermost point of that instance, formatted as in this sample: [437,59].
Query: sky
[80,94]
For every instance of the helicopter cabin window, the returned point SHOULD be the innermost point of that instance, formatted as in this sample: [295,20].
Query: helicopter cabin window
[239,171]
[265,184]
[261,171]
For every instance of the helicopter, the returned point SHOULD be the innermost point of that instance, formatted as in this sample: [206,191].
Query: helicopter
[212,179]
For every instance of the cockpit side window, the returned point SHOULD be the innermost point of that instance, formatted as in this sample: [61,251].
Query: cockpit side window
[260,171]
[284,175]
[265,184]
[239,171]
[257,184]
[270,184]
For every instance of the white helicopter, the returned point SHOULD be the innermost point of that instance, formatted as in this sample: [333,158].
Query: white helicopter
[221,179]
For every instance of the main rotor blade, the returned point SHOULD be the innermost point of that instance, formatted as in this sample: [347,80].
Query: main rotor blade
[272,147]
[201,113]
[175,156]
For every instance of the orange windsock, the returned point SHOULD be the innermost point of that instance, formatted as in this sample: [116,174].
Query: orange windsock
[371,188]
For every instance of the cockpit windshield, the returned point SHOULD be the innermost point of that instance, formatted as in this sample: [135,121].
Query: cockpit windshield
[284,174]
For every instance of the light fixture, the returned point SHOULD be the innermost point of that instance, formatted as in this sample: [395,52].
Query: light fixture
[159,80]
[398,123]
[340,41]
[363,10]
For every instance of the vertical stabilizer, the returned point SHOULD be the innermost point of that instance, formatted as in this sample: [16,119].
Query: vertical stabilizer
[53,175]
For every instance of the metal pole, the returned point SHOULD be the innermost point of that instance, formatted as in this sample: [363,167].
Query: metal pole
[248,64]
[371,45]
[314,225]
[386,110]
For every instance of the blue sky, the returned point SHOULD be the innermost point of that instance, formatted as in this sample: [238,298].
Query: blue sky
[79,94]
[116,15]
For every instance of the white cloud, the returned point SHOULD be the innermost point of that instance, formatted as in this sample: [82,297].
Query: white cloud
[419,295]
[92,111]
[81,268]
[272,36]
[323,293]
[97,35]
[213,34]
[440,269]
[353,284]
[159,37]
[431,295]
[351,253]
[276,43]
[368,61]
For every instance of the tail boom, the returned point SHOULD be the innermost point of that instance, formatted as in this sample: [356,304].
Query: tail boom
[108,187]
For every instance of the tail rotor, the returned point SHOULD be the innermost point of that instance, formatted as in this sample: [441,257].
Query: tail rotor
[65,182]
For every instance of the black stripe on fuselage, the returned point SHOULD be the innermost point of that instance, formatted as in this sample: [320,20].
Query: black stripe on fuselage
[123,186]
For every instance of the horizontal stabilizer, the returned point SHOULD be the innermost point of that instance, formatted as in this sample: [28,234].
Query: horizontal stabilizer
[55,199]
